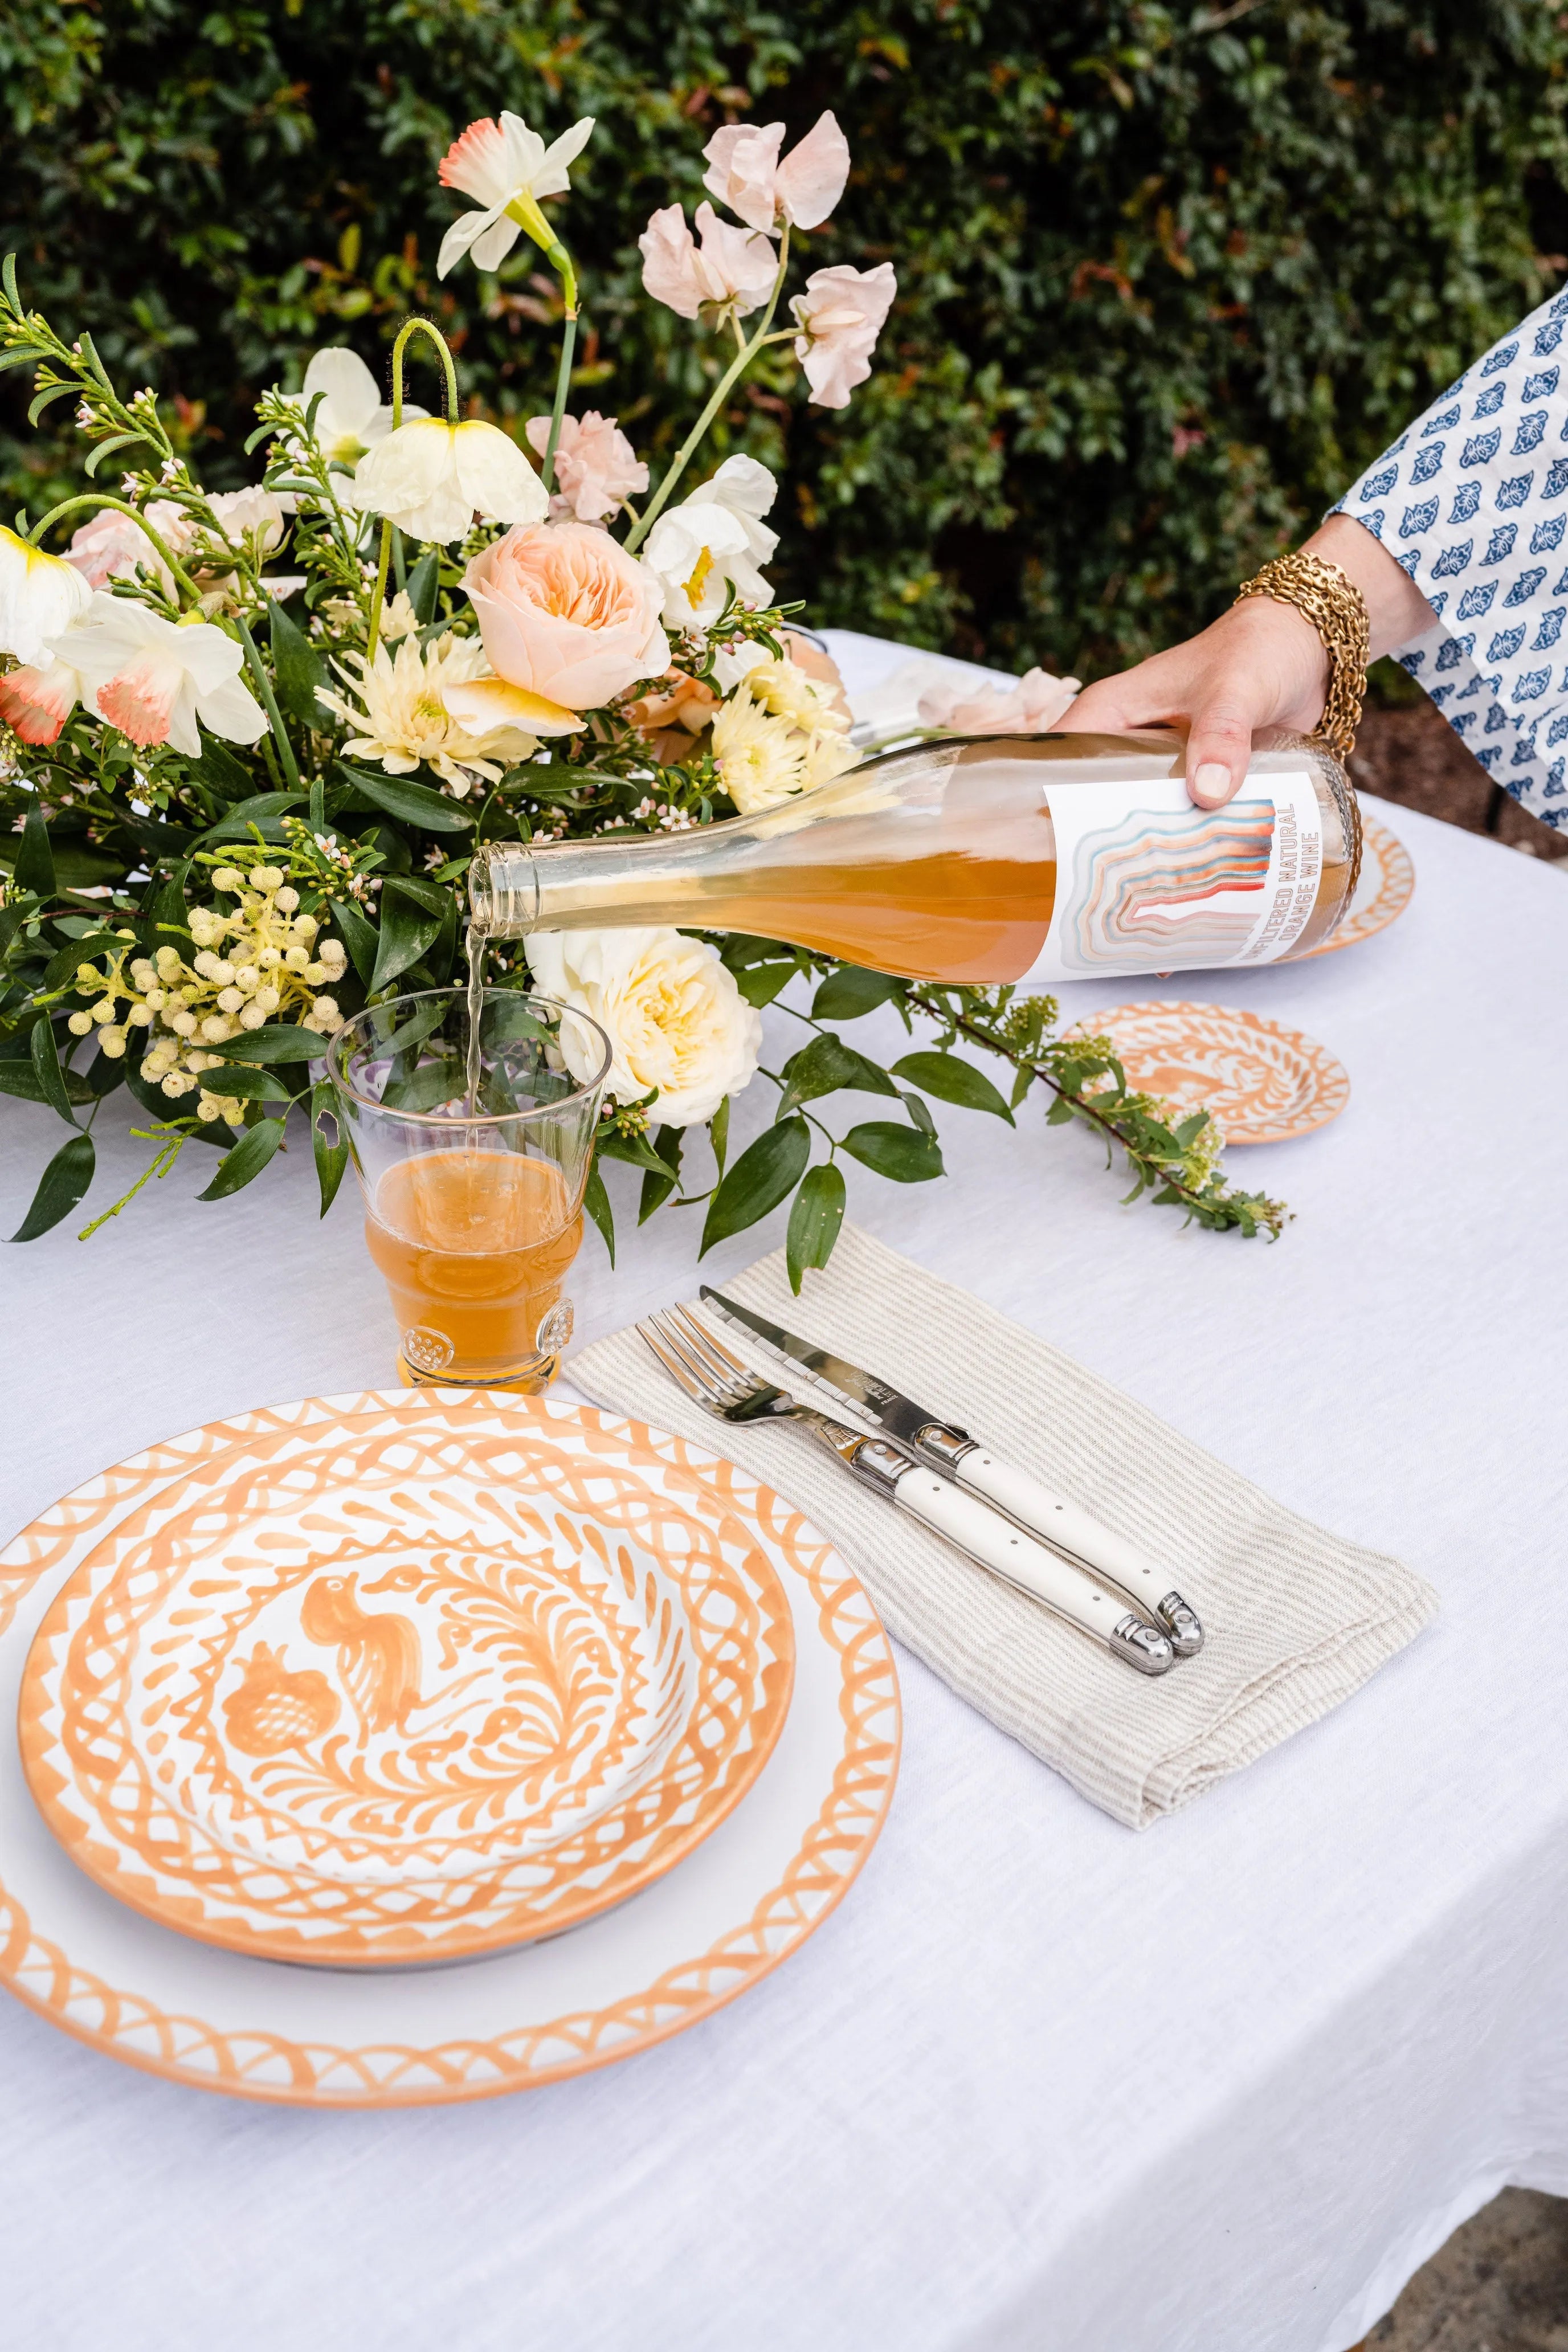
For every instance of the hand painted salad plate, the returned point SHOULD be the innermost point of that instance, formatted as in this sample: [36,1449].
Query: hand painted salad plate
[1263,1083]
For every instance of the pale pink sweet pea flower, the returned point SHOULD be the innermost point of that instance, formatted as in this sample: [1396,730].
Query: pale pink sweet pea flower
[566,614]
[840,316]
[595,466]
[1032,707]
[730,275]
[112,547]
[745,172]
[500,164]
[154,678]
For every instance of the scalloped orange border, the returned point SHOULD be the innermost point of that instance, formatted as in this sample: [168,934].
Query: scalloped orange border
[271,2067]
[1388,902]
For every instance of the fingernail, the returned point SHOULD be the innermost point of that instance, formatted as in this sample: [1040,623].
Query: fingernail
[1211,783]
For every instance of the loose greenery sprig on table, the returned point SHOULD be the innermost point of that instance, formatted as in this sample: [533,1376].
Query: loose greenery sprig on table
[241,803]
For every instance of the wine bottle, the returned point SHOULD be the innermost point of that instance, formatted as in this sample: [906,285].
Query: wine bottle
[978,859]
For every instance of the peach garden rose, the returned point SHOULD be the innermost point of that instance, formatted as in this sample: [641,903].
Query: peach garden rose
[567,615]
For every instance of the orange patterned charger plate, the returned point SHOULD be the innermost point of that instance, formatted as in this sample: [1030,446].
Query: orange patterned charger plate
[1264,1083]
[411,1695]
[1384,890]
[743,1897]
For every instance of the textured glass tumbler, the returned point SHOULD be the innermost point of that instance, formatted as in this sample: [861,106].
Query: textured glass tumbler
[473,1164]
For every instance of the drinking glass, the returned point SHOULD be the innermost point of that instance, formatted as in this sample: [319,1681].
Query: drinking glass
[473,1143]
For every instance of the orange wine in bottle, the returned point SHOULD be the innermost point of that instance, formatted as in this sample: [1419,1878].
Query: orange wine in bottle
[979,859]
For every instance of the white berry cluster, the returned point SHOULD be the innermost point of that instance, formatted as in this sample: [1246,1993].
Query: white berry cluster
[261,962]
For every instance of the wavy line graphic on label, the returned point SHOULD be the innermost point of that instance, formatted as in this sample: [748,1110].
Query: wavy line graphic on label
[1151,891]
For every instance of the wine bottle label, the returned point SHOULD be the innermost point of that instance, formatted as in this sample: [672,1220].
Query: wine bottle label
[1147,882]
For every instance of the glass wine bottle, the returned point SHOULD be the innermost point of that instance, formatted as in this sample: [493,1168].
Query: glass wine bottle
[979,859]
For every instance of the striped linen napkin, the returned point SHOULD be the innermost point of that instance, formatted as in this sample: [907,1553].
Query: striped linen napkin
[1296,1618]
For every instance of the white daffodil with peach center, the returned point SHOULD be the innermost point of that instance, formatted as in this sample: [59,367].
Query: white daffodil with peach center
[404,715]
[431,478]
[155,679]
[506,168]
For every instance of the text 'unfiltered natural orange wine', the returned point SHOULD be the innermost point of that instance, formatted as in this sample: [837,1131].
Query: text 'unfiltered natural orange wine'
[475,1247]
[979,859]
[469,1115]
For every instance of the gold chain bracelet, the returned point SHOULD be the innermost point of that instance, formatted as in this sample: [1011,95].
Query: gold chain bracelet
[1337,610]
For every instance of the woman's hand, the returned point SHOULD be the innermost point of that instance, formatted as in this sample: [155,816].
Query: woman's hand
[1261,665]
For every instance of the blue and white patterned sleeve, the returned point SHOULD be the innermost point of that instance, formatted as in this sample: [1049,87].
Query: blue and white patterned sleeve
[1473,502]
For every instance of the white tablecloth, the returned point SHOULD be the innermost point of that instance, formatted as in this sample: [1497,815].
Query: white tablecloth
[1038,2082]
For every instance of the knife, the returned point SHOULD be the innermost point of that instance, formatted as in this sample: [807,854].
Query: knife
[942,1446]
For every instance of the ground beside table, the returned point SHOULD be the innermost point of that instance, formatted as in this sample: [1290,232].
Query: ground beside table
[1038,2082]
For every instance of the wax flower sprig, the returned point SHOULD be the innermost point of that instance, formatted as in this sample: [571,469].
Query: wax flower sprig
[242,799]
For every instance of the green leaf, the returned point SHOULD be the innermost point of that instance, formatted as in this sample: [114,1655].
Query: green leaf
[954,1081]
[1060,1111]
[764,1173]
[166,911]
[41,400]
[847,995]
[919,1111]
[61,968]
[262,809]
[359,937]
[45,1061]
[759,983]
[901,1153]
[245,1161]
[21,1079]
[246,1084]
[719,1133]
[317,806]
[1021,1085]
[815,1217]
[297,670]
[332,1158]
[638,1151]
[596,1203]
[102,1076]
[823,1067]
[409,803]
[656,1189]
[35,867]
[107,448]
[424,586]
[285,1042]
[222,772]
[408,929]
[60,1186]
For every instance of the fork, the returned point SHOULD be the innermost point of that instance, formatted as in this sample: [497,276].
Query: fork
[722,1385]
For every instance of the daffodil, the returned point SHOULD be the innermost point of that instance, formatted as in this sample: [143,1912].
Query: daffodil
[351,416]
[155,678]
[430,477]
[40,595]
[506,168]
[714,539]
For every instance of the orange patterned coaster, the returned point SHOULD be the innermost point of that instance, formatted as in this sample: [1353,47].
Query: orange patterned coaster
[743,1898]
[415,1693]
[1386,887]
[1263,1084]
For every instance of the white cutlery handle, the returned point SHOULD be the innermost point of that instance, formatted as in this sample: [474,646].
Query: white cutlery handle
[1007,1551]
[1066,1524]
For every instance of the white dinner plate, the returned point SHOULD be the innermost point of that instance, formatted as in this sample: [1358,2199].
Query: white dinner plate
[733,1907]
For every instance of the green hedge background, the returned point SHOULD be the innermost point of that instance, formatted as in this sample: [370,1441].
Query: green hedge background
[1169,276]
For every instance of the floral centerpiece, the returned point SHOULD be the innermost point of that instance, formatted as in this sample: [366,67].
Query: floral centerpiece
[249,741]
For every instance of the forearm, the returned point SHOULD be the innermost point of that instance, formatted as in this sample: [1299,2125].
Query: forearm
[1396,610]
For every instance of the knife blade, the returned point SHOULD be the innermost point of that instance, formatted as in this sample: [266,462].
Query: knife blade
[943,1447]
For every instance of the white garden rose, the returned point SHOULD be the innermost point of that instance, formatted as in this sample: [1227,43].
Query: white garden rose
[672,1013]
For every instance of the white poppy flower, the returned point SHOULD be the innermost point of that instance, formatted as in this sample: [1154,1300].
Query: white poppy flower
[713,539]
[430,477]
[40,595]
[352,416]
[500,165]
[154,678]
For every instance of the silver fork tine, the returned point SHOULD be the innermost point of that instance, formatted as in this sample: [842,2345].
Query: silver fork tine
[683,1374]
[728,1370]
[713,1345]
[720,1385]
